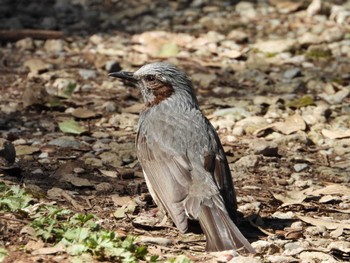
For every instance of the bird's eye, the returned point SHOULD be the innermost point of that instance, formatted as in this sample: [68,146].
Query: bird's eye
[150,78]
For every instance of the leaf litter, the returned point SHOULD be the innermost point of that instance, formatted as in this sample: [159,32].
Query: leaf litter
[73,129]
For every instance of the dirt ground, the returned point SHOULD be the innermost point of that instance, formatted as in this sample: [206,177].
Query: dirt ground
[272,76]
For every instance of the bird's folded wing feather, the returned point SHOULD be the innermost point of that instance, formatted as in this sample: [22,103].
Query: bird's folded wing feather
[169,176]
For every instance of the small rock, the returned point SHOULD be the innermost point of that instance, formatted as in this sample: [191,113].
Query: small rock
[38,171]
[316,257]
[246,9]
[314,8]
[87,73]
[309,39]
[333,34]
[278,259]
[237,36]
[237,113]
[37,66]
[261,246]
[336,98]
[248,161]
[265,148]
[283,215]
[25,43]
[54,45]
[275,46]
[300,167]
[293,245]
[291,73]
[43,155]
[104,188]
[65,141]
[156,240]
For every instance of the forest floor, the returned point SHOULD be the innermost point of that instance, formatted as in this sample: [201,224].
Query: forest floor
[273,78]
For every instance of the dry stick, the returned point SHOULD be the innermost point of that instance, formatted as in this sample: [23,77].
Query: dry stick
[14,219]
[14,35]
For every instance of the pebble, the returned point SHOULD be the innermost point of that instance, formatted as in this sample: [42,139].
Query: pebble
[54,45]
[300,167]
[291,73]
[265,148]
[87,73]
[65,141]
[25,44]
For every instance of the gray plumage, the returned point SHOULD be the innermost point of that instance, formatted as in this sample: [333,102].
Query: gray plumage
[183,161]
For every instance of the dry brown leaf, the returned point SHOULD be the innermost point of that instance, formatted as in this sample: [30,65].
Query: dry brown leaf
[49,250]
[26,149]
[328,198]
[322,222]
[333,189]
[337,134]
[109,173]
[83,113]
[291,198]
[337,233]
[291,124]
[121,200]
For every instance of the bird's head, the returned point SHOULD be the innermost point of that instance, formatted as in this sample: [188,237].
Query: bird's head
[160,81]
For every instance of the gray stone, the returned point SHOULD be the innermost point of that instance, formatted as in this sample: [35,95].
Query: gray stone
[298,167]
[265,148]
[87,73]
[291,73]
[65,141]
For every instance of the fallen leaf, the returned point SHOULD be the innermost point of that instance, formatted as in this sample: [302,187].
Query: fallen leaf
[291,198]
[80,182]
[83,113]
[338,134]
[304,101]
[119,213]
[109,173]
[337,233]
[328,198]
[49,250]
[291,124]
[26,149]
[322,222]
[121,200]
[71,126]
[36,66]
[333,189]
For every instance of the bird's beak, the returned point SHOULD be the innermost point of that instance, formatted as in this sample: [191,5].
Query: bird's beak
[123,75]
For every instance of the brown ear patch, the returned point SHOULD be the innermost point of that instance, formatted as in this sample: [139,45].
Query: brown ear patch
[161,91]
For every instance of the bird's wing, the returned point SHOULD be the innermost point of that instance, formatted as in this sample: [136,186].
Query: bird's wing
[168,176]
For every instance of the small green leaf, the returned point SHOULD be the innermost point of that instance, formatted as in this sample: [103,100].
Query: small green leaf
[76,249]
[71,126]
[3,253]
[69,90]
[301,102]
[120,213]
[169,50]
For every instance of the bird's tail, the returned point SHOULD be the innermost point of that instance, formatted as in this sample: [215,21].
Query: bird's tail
[220,231]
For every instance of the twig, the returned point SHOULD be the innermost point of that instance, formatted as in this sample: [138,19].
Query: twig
[14,219]
[14,35]
[260,228]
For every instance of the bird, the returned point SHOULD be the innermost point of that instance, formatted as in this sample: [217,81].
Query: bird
[182,158]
